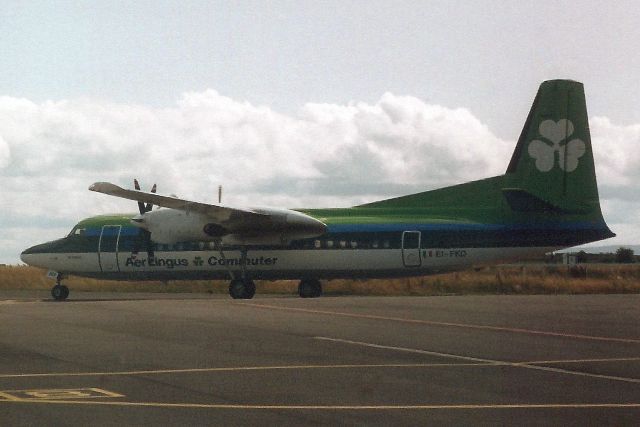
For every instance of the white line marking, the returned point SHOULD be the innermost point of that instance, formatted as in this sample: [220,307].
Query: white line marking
[476,359]
[479,363]
[448,324]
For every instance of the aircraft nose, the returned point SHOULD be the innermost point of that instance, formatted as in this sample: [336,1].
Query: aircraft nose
[36,255]
[27,256]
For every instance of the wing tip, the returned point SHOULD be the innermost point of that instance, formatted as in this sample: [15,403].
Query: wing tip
[103,187]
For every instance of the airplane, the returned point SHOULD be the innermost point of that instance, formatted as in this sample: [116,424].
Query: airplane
[546,200]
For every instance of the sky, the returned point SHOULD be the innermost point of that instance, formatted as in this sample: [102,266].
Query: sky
[296,103]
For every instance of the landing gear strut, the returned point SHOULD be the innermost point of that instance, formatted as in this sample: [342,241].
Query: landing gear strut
[59,292]
[241,286]
[309,288]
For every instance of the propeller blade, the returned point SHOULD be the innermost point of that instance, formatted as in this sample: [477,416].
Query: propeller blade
[141,206]
[145,235]
[149,206]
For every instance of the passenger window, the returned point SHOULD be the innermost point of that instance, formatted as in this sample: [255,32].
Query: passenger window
[343,244]
[317,244]
[354,244]
[329,244]
[375,244]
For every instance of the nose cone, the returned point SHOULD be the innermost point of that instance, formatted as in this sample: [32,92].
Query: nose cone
[40,255]
[30,255]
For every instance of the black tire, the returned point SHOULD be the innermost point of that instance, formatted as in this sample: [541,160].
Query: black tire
[237,289]
[309,288]
[58,293]
[250,287]
[65,291]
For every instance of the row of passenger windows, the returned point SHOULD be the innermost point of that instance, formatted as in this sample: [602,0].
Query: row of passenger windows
[132,244]
[314,244]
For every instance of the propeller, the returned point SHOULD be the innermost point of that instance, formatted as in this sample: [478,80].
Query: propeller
[145,234]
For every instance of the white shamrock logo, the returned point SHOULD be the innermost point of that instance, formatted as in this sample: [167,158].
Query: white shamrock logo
[556,132]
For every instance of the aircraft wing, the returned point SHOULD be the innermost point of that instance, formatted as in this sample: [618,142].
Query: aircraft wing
[216,212]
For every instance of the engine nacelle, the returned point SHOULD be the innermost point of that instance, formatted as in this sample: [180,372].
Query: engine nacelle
[274,227]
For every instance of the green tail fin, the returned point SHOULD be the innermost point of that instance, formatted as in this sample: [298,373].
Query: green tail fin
[552,166]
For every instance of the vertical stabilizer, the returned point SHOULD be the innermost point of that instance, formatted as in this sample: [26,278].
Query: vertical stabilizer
[552,166]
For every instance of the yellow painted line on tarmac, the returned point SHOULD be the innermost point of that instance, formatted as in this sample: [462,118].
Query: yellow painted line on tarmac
[477,359]
[58,394]
[448,324]
[333,407]
[7,396]
[241,368]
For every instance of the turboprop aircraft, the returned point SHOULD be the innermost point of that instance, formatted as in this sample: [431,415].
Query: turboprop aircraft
[546,200]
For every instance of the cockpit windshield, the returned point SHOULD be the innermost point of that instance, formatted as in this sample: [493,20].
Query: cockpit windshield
[77,231]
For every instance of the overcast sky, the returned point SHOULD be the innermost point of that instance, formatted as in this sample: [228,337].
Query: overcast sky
[301,104]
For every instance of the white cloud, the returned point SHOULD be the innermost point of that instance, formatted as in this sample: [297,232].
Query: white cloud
[326,155]
[616,152]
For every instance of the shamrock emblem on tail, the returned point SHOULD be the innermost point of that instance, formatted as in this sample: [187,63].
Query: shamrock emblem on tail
[556,133]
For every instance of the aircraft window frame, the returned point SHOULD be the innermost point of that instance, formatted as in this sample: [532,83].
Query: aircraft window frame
[77,231]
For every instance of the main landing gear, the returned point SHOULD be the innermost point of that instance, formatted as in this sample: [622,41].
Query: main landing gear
[309,288]
[59,292]
[242,288]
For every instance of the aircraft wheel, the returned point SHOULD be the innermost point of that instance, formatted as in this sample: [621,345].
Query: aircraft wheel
[309,288]
[242,289]
[59,292]
[251,289]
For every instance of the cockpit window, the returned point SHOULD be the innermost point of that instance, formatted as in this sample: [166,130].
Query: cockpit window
[77,231]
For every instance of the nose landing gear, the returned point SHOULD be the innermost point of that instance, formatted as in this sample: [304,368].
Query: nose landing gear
[59,292]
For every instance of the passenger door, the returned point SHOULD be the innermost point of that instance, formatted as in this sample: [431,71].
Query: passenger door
[411,249]
[108,248]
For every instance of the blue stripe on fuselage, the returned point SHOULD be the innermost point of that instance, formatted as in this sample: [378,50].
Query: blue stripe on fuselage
[394,227]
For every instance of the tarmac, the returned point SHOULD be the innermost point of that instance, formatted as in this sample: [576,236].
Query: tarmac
[150,359]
